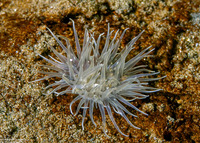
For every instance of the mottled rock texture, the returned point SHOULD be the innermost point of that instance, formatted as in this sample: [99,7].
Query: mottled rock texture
[172,27]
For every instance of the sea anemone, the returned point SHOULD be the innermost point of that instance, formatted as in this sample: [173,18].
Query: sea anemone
[102,79]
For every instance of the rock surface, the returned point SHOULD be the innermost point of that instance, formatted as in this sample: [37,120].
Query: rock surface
[171,27]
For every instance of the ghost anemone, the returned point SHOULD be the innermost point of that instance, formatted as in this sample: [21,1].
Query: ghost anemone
[103,79]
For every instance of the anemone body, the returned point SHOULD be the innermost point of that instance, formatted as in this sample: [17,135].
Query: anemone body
[104,80]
